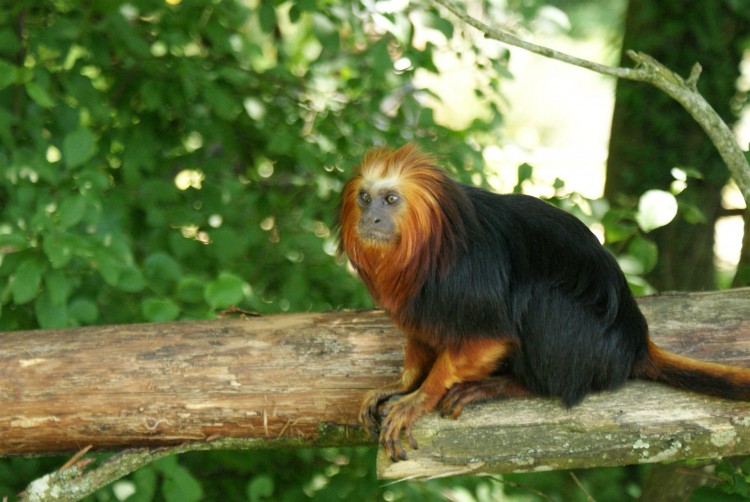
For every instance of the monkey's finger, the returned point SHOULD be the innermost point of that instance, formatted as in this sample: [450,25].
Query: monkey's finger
[410,437]
[394,449]
[371,425]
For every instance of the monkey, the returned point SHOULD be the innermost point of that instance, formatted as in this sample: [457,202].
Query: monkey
[499,295]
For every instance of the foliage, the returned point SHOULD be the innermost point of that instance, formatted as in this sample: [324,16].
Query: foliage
[733,484]
[164,161]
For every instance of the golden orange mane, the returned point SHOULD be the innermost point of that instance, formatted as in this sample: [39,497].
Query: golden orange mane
[431,226]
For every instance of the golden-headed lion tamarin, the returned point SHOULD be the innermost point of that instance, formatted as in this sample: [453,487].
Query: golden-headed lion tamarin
[499,295]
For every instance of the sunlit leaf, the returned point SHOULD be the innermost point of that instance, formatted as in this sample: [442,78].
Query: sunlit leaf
[656,208]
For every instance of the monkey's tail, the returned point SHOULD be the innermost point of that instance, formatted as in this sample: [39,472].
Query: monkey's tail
[729,382]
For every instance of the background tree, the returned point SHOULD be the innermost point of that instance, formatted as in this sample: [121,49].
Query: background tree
[651,134]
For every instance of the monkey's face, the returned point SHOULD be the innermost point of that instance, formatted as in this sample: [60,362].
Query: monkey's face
[380,205]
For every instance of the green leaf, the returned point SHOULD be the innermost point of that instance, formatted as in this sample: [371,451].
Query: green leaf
[259,488]
[78,147]
[58,286]
[225,291]
[267,16]
[7,74]
[39,95]
[161,269]
[48,314]
[223,103]
[160,310]
[59,249]
[525,172]
[145,480]
[130,279]
[645,251]
[26,280]
[439,23]
[191,290]
[179,484]
[83,310]
[72,211]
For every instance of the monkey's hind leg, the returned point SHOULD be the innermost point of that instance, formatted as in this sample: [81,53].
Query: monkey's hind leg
[461,394]
[474,360]
[418,360]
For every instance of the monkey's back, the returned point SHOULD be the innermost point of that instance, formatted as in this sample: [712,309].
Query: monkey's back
[536,274]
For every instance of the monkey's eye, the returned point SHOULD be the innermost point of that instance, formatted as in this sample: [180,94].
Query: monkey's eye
[364,197]
[391,198]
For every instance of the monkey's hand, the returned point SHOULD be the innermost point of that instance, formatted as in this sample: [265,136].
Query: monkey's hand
[371,410]
[399,415]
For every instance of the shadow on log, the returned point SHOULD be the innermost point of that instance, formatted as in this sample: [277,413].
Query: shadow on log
[297,380]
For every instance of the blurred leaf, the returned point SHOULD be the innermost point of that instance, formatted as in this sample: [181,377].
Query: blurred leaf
[83,310]
[161,269]
[58,248]
[191,290]
[58,285]
[225,291]
[160,310]
[27,279]
[48,314]
[130,279]
[693,214]
[261,487]
[39,95]
[78,147]
[145,481]
[645,251]
[267,16]
[656,208]
[179,484]
[7,74]
[439,23]
[72,211]
[224,104]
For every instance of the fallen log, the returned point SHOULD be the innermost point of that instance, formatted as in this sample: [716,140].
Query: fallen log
[297,379]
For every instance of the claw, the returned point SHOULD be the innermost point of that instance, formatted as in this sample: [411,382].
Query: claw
[400,417]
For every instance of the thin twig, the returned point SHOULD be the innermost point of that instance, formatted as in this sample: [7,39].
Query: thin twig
[70,463]
[650,71]
[589,498]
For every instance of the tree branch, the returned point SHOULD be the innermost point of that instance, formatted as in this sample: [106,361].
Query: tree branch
[650,71]
[297,380]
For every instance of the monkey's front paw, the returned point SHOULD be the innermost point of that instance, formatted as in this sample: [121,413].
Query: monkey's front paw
[371,411]
[400,415]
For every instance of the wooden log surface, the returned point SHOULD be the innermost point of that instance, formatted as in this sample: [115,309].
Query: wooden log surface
[298,379]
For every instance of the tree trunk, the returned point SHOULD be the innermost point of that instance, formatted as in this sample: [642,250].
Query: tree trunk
[651,134]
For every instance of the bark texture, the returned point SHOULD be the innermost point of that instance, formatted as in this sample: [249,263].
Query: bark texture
[298,379]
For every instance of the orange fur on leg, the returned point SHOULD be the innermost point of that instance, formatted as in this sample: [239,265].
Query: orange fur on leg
[473,360]
[418,360]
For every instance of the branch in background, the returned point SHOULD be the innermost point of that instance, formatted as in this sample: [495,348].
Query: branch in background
[650,71]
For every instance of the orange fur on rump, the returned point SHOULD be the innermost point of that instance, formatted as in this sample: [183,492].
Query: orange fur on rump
[431,231]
